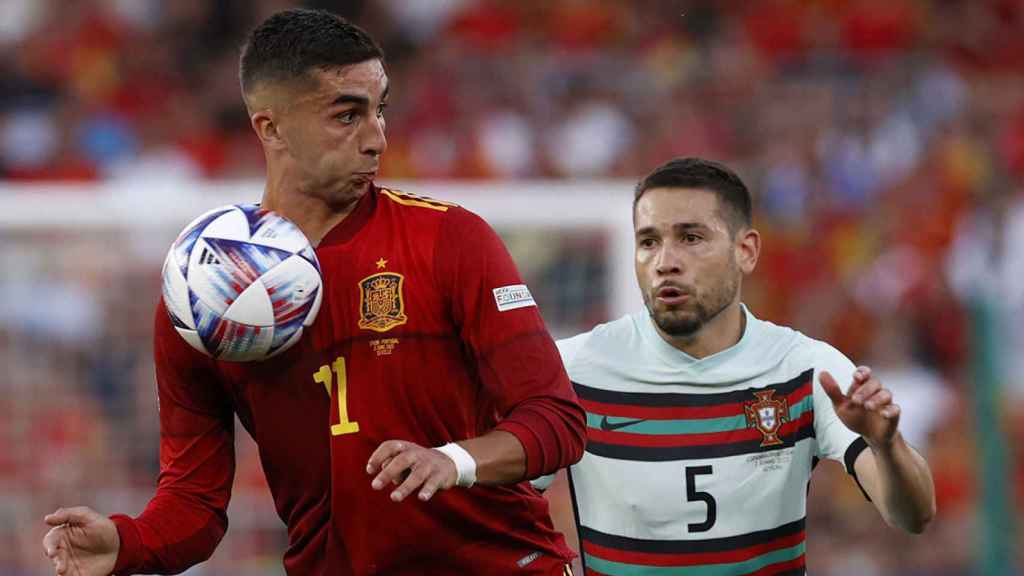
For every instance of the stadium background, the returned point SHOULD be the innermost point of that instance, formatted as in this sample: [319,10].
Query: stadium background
[884,140]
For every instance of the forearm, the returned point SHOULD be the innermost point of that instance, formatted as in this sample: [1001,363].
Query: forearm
[540,436]
[551,431]
[500,457]
[905,490]
[172,534]
[187,517]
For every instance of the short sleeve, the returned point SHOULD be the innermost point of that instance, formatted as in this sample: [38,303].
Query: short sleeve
[834,439]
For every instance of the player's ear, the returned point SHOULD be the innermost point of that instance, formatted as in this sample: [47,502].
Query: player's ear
[748,248]
[263,122]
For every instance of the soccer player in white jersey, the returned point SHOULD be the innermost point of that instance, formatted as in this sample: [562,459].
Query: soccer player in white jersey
[704,423]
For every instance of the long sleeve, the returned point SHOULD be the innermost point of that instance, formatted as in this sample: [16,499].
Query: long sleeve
[186,519]
[502,329]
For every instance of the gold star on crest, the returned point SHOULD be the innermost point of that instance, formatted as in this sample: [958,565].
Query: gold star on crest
[382,264]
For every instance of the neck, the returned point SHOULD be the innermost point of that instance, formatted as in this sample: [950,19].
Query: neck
[722,331]
[313,214]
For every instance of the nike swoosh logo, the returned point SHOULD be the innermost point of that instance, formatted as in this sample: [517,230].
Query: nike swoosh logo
[608,426]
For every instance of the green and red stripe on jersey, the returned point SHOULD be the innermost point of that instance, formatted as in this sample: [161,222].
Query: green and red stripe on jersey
[656,426]
[776,552]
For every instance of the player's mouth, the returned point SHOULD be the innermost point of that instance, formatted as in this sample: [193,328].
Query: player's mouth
[671,295]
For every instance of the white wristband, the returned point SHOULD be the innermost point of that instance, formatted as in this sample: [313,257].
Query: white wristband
[465,465]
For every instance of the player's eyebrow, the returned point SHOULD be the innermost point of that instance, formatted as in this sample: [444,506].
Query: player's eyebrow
[677,227]
[358,99]
[351,99]
[684,226]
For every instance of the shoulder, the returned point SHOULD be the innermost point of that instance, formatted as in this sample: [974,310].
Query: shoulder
[568,348]
[794,344]
[410,204]
[452,219]
[821,356]
[789,352]
[820,353]
[576,347]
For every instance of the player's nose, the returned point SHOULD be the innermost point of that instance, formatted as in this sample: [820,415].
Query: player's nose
[373,141]
[667,261]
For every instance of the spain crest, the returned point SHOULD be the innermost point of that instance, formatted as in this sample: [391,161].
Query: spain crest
[381,306]
[767,415]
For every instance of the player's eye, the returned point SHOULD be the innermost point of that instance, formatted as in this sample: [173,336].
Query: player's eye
[648,242]
[347,117]
[692,238]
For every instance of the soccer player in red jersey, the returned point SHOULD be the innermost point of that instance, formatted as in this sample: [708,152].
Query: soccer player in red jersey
[398,435]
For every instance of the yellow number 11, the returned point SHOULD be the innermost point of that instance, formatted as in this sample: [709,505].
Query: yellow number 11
[325,376]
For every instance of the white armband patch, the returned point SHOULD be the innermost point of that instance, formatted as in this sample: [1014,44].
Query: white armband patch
[512,297]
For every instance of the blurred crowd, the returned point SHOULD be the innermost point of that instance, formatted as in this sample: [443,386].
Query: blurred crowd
[883,139]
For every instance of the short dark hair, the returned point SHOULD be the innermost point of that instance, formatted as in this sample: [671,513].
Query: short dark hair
[290,43]
[733,195]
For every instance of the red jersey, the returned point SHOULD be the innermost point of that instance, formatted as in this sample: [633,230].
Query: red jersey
[426,334]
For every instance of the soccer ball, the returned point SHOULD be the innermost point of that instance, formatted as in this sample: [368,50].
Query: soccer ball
[240,283]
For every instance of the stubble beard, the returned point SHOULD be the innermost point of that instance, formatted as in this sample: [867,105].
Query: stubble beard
[686,323]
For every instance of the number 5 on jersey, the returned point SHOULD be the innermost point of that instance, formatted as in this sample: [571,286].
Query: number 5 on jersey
[694,495]
[325,375]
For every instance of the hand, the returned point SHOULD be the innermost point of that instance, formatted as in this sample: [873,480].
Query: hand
[866,408]
[411,466]
[82,542]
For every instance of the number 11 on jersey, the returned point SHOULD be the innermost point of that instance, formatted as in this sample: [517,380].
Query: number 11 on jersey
[325,375]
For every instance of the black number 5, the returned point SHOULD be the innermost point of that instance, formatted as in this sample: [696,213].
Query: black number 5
[693,495]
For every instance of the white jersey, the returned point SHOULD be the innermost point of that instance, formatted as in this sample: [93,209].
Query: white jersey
[700,463]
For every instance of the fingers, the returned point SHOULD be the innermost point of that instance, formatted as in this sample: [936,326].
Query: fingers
[55,542]
[76,515]
[432,470]
[416,468]
[394,470]
[881,402]
[831,388]
[421,471]
[431,486]
[55,550]
[384,453]
[879,399]
[402,470]
[866,390]
[860,376]
[52,542]
[892,411]
[60,516]
[874,397]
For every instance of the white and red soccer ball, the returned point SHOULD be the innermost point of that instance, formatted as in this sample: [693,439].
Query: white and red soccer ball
[241,283]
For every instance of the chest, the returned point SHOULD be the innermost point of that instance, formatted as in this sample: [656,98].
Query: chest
[695,465]
[382,287]
[383,327]
[693,499]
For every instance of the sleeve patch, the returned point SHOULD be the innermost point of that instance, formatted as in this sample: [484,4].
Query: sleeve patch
[512,297]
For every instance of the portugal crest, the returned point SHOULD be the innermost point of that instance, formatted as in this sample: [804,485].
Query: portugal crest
[767,415]
[381,306]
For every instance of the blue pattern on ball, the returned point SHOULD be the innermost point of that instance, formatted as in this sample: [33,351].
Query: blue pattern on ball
[229,267]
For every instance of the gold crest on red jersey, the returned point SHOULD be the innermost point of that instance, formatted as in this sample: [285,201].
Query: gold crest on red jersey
[381,306]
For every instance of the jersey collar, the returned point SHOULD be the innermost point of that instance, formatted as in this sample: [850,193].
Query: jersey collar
[347,229]
[673,355]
